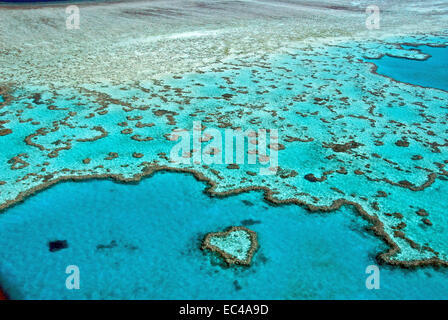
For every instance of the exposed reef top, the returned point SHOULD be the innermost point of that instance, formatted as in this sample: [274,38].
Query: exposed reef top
[237,245]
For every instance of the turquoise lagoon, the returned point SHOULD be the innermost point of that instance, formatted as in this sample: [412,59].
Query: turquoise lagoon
[141,241]
[431,72]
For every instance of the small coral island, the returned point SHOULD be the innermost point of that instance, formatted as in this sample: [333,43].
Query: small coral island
[236,245]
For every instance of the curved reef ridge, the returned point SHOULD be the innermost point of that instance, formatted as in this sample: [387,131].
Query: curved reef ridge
[346,136]
[236,245]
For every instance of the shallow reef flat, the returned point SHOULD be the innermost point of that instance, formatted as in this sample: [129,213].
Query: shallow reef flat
[140,40]
[346,135]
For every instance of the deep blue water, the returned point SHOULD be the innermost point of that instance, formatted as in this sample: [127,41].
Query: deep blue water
[151,234]
[432,72]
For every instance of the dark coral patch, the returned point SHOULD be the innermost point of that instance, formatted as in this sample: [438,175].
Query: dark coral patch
[57,245]
[4,132]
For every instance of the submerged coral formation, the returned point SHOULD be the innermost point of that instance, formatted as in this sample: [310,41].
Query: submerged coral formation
[237,245]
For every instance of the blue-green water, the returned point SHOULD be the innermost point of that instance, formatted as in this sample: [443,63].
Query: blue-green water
[142,241]
[432,72]
[157,227]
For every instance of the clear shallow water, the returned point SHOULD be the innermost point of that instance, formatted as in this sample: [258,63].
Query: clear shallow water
[431,72]
[328,73]
[316,96]
[157,227]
